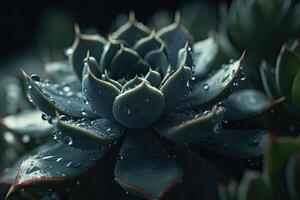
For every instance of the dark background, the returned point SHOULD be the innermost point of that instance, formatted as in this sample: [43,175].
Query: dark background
[19,19]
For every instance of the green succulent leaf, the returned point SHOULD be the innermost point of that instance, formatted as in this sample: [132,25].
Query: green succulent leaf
[253,187]
[204,53]
[185,57]
[138,107]
[132,83]
[236,143]
[131,32]
[292,177]
[90,64]
[8,176]
[144,45]
[82,44]
[87,134]
[176,87]
[122,62]
[50,98]
[296,89]
[190,126]
[158,59]
[59,163]
[62,71]
[215,88]
[170,34]
[287,68]
[268,81]
[144,166]
[100,95]
[248,103]
[27,122]
[154,78]
[276,158]
[109,51]
[106,78]
[139,68]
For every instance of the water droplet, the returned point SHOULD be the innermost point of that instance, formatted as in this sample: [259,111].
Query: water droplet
[29,87]
[243,76]
[25,138]
[66,89]
[68,140]
[205,86]
[217,128]
[206,112]
[63,117]
[147,100]
[128,111]
[188,84]
[47,157]
[35,77]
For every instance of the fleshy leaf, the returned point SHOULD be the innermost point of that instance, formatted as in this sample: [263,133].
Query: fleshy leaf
[204,53]
[122,61]
[132,83]
[268,81]
[99,94]
[139,68]
[87,134]
[131,32]
[154,78]
[54,97]
[55,164]
[287,67]
[82,44]
[174,36]
[144,45]
[27,122]
[276,158]
[144,166]
[246,104]
[215,88]
[253,187]
[109,51]
[189,126]
[59,72]
[184,57]
[200,177]
[8,176]
[296,89]
[236,143]
[90,63]
[138,107]
[158,59]
[292,177]
[176,87]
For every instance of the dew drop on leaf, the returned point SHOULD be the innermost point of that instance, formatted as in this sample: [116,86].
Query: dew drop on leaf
[205,86]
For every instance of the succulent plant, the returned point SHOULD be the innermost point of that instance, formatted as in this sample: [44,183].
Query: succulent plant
[283,80]
[279,179]
[126,114]
[256,25]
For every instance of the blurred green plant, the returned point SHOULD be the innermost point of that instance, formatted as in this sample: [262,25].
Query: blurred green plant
[280,178]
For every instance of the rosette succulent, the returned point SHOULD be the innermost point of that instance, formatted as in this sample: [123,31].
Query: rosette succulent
[280,177]
[125,114]
[283,80]
[257,26]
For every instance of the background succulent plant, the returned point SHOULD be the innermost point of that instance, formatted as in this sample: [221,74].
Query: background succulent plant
[282,81]
[280,176]
[141,100]
[257,26]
